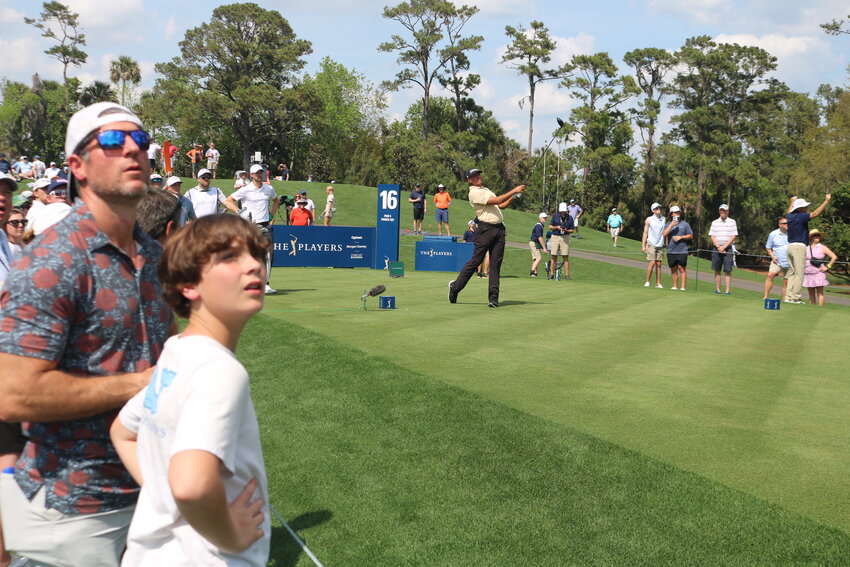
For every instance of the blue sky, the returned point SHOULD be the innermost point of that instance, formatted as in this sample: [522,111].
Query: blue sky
[349,32]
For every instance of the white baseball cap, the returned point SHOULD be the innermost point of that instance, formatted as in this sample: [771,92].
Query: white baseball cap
[89,119]
[655,206]
[542,216]
[173,180]
[562,207]
[10,181]
[40,183]
[204,171]
[675,209]
[256,168]
[799,204]
[156,177]
[725,207]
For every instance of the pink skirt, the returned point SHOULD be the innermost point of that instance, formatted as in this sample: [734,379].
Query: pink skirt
[815,280]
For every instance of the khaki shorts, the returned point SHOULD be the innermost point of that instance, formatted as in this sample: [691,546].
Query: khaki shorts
[49,536]
[535,251]
[615,230]
[777,269]
[560,245]
[654,254]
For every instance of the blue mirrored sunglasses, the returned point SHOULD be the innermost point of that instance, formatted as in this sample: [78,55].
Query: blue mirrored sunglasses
[114,139]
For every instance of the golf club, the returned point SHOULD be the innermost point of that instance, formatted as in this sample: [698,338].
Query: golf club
[537,161]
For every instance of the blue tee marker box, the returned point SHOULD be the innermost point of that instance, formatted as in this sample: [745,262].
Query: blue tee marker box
[772,304]
[386,302]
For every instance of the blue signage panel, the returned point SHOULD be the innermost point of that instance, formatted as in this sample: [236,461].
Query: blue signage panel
[339,246]
[442,256]
[387,226]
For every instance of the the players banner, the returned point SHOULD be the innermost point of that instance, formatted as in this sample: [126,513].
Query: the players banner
[318,246]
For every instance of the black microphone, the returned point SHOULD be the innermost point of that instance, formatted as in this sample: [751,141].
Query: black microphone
[377,290]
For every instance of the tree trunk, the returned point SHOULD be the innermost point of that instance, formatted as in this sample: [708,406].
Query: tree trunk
[530,112]
[700,193]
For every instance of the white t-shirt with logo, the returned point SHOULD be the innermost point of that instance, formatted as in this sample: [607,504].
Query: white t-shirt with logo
[256,200]
[198,399]
[205,202]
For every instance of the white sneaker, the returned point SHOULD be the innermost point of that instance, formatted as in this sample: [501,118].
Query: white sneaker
[270,290]
[659,286]
[646,284]
[675,288]
[681,289]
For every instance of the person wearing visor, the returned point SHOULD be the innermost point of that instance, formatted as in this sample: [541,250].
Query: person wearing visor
[84,326]
[156,181]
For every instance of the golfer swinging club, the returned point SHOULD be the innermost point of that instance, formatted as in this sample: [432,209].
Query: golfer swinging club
[490,236]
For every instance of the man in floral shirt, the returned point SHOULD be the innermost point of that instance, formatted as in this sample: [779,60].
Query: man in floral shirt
[82,326]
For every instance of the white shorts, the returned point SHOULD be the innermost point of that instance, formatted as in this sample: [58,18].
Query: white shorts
[615,230]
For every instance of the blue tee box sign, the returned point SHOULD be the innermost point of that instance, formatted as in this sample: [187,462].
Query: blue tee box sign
[386,302]
[442,255]
[320,246]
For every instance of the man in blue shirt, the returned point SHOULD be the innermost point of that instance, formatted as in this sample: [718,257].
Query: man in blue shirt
[678,232]
[777,243]
[798,239]
[615,221]
[536,243]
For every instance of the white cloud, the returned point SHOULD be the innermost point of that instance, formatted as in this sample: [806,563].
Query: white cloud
[777,45]
[171,29]
[694,11]
[25,57]
[582,44]
[97,14]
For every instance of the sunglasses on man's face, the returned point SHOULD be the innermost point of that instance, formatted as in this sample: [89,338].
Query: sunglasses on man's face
[18,222]
[59,193]
[205,177]
[114,139]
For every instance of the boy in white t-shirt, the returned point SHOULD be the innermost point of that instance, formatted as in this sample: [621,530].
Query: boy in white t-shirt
[191,438]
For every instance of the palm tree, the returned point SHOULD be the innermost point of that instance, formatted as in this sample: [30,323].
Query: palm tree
[98,91]
[125,70]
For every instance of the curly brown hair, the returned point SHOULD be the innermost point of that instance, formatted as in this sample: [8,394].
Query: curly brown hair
[189,250]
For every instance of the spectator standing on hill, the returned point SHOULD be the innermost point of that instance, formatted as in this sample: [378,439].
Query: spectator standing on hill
[311,206]
[241,179]
[575,212]
[536,244]
[195,156]
[153,149]
[798,240]
[777,245]
[261,202]
[652,244]
[85,326]
[420,209]
[442,201]
[562,227]
[615,221]
[330,209]
[206,199]
[212,156]
[723,233]
[490,236]
[678,232]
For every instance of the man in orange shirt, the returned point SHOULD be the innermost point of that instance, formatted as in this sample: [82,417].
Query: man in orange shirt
[195,156]
[442,200]
[300,215]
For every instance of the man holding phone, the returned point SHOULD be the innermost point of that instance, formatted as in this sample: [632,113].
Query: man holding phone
[678,232]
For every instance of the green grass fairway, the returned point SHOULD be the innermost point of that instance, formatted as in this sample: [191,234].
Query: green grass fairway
[582,423]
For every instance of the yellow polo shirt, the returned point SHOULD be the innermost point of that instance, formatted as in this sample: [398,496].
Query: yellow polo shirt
[478,197]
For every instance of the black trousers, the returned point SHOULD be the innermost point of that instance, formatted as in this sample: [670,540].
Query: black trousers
[488,238]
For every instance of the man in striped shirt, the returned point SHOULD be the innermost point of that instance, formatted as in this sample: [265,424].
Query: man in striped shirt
[723,232]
